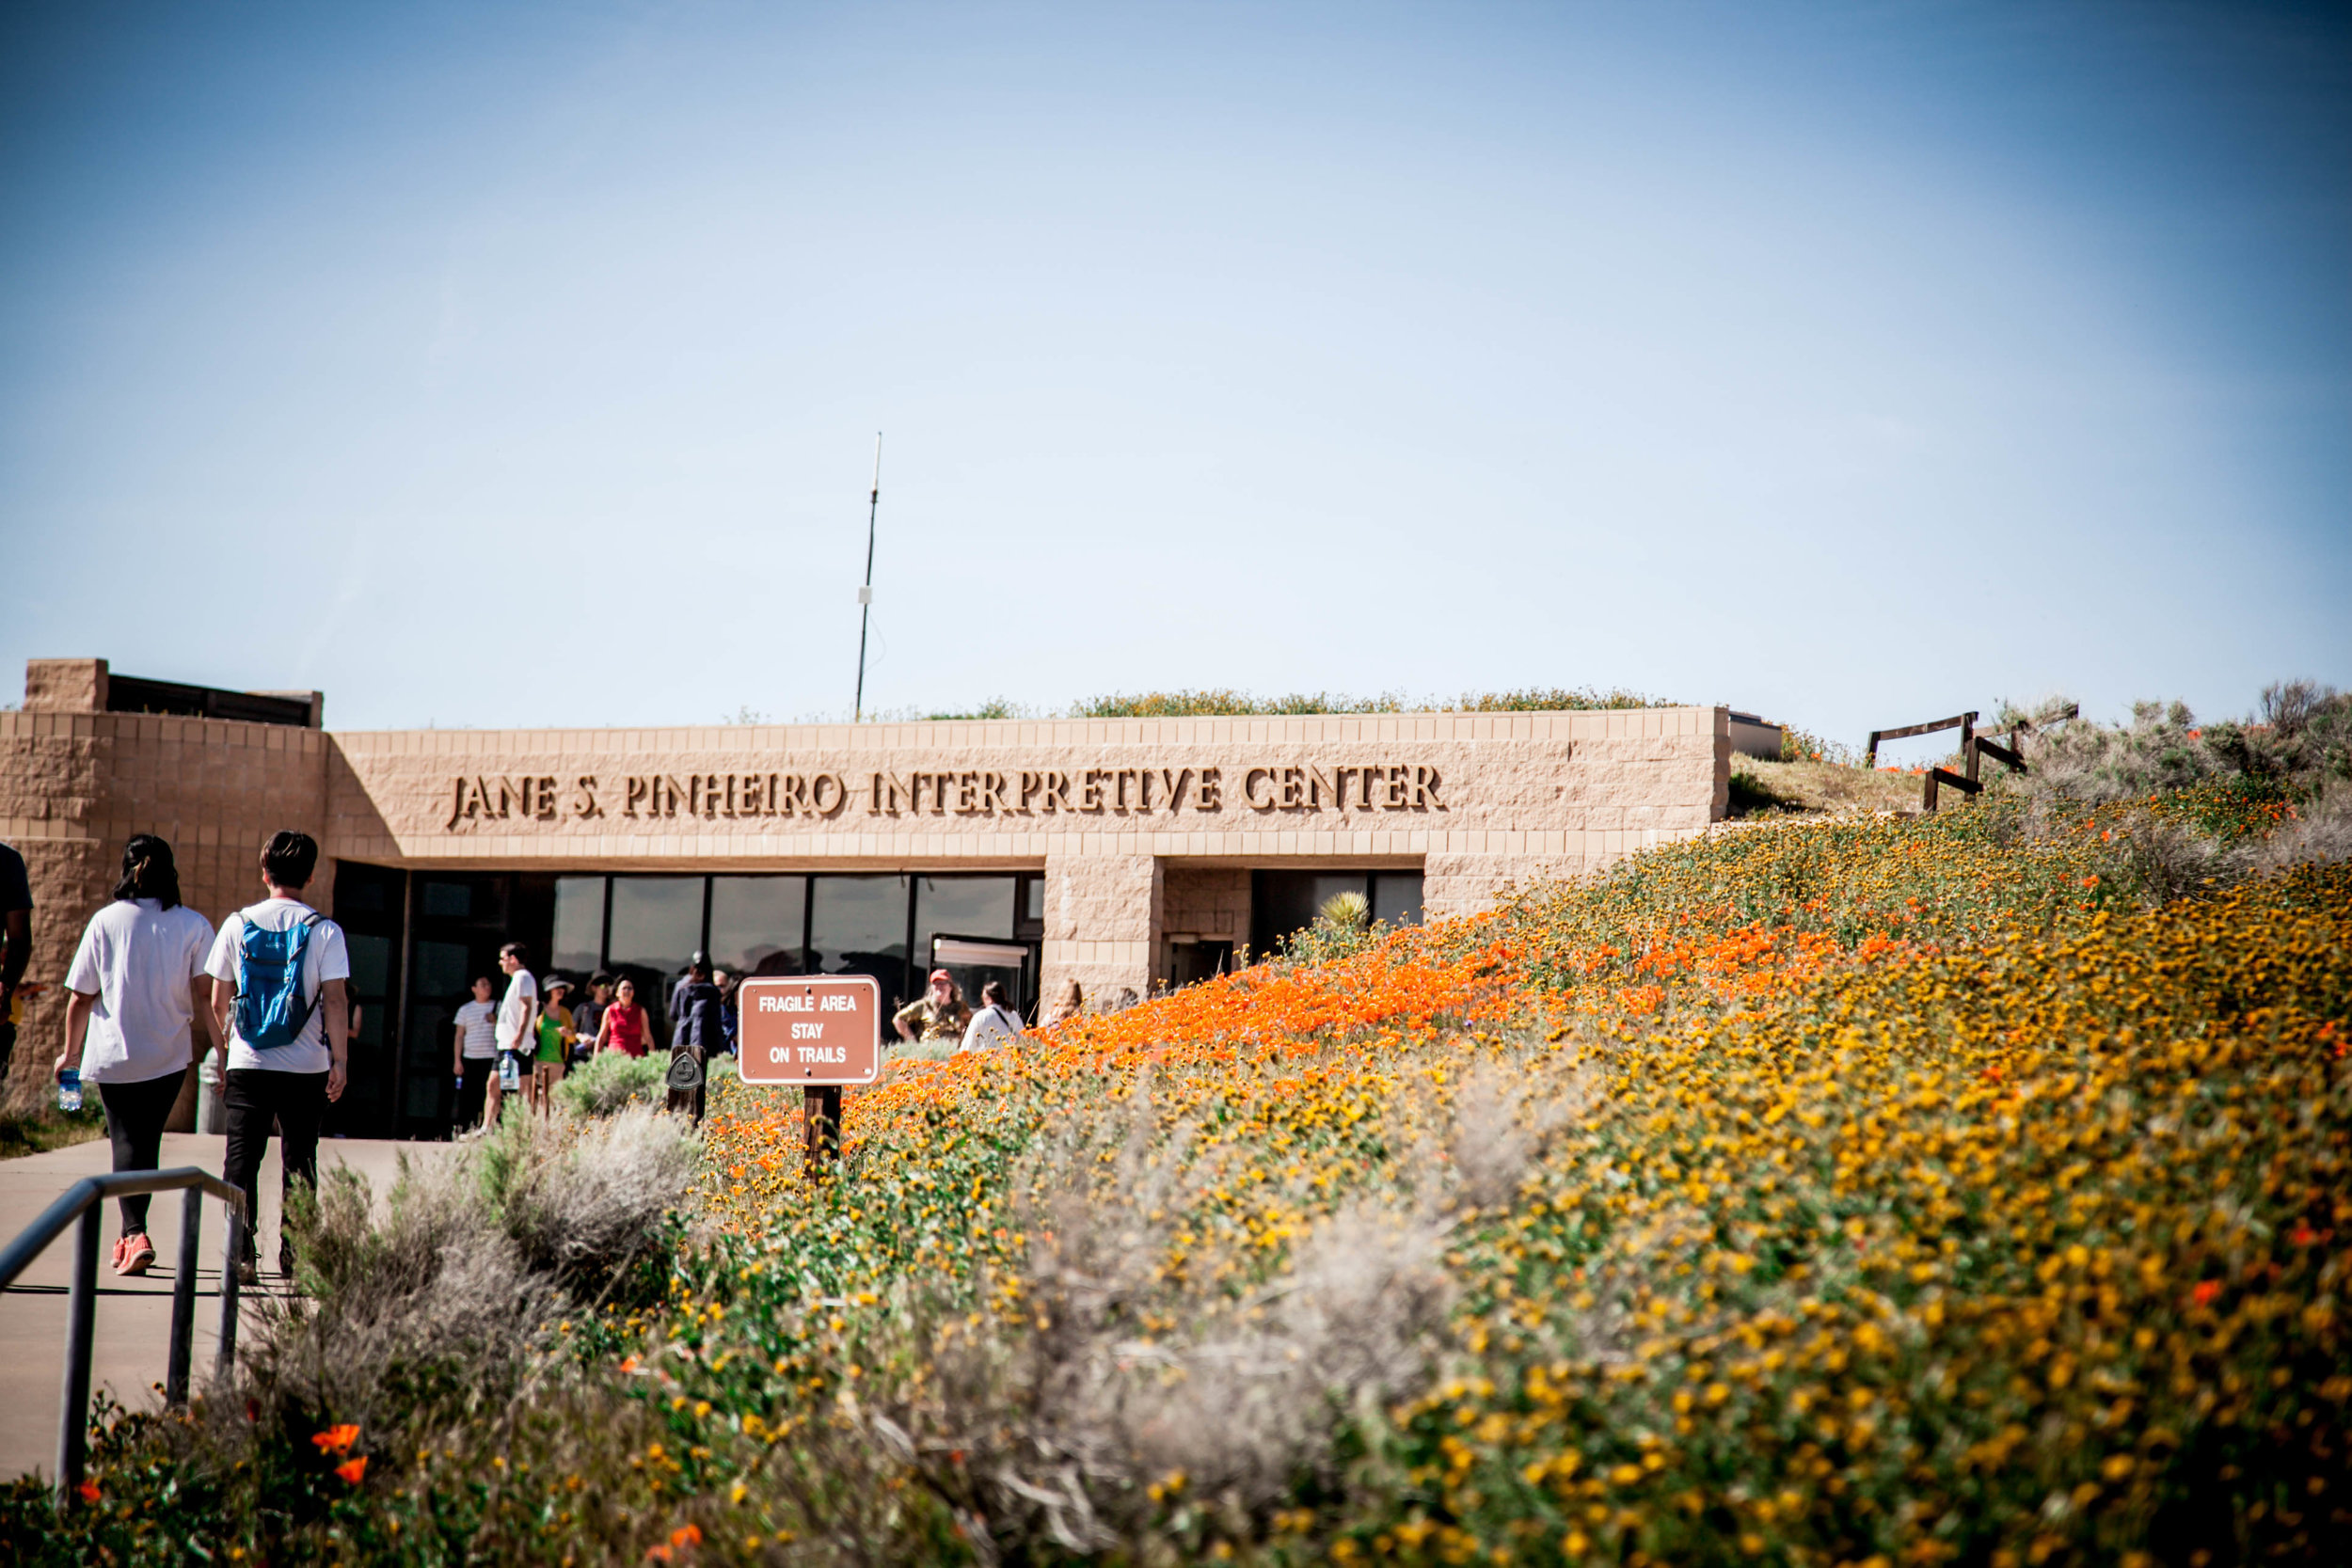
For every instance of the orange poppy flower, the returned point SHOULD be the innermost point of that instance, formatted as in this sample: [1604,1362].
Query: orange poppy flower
[336,1439]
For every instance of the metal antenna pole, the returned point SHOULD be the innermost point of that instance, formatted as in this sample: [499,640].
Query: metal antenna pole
[865,591]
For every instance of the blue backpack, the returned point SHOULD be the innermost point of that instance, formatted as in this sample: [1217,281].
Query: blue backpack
[271,1009]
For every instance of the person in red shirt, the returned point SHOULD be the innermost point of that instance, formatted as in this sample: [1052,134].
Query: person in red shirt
[624,1027]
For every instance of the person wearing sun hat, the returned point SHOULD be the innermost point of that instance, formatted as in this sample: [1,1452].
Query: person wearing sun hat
[939,1014]
[555,1043]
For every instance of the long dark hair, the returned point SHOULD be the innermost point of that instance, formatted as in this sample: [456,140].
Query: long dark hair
[148,872]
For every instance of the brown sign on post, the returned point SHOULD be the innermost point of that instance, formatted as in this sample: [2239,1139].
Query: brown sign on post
[818,1031]
[809,1029]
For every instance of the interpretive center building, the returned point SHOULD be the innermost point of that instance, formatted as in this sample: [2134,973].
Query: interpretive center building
[1126,854]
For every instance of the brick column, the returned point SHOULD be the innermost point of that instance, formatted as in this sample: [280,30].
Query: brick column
[65,686]
[1102,923]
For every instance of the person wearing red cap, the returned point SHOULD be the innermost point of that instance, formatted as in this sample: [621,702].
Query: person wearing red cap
[938,1015]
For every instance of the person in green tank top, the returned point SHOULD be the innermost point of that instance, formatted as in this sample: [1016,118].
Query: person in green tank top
[555,1047]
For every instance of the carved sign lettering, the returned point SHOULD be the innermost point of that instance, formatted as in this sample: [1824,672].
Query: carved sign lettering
[1269,788]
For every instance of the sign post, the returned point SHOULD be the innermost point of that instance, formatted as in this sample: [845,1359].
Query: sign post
[819,1032]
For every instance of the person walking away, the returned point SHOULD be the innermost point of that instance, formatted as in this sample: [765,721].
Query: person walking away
[698,1036]
[283,1009]
[16,946]
[588,1016]
[477,1055]
[938,1015]
[1071,1001]
[624,1026]
[555,1042]
[518,1037]
[994,1026]
[696,966]
[136,987]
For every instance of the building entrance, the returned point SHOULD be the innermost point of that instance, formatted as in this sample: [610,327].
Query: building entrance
[974,961]
[458,921]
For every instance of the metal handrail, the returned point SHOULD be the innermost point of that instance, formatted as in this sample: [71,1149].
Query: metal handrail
[84,1200]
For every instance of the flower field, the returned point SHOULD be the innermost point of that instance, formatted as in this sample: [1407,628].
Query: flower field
[1851,1192]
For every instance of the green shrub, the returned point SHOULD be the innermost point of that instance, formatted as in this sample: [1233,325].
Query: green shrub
[1552,699]
[1226,702]
[1798,745]
[434,1318]
[996,707]
[610,1080]
[45,1127]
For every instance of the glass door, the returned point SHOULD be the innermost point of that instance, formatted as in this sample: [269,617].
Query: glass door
[369,906]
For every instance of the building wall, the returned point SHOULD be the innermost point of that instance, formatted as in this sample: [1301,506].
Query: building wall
[1475,800]
[76,786]
[1142,827]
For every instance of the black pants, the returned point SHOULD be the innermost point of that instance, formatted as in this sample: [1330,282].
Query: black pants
[256,1097]
[475,1090]
[136,1114]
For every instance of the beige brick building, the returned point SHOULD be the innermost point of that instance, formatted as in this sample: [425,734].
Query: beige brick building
[1125,854]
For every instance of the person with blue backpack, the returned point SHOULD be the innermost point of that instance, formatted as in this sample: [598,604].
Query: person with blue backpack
[285,1012]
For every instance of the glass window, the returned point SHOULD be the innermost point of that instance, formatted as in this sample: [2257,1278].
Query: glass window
[1396,898]
[448,900]
[656,925]
[962,907]
[657,922]
[358,895]
[1035,901]
[440,973]
[756,924]
[858,926]
[578,947]
[371,963]
[424,1099]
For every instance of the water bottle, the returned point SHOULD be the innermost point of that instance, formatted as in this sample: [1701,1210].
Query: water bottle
[69,1091]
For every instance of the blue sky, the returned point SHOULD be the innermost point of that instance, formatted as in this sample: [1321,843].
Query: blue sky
[520,365]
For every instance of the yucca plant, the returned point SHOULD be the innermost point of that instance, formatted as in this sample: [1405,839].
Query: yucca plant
[1349,911]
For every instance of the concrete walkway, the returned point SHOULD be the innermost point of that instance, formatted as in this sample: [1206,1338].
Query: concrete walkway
[133,1315]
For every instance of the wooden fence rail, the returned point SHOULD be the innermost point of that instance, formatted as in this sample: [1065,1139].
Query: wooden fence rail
[1973,748]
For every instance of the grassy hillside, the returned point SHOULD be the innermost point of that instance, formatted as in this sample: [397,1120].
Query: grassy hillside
[1842,1191]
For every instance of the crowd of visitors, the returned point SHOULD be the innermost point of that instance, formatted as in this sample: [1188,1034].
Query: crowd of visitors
[153,986]
[536,1035]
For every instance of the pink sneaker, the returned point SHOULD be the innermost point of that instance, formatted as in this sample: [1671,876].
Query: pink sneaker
[116,1264]
[137,1253]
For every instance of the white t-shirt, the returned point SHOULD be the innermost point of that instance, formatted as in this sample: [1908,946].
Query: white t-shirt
[325,958]
[515,1010]
[474,1018]
[137,958]
[990,1027]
